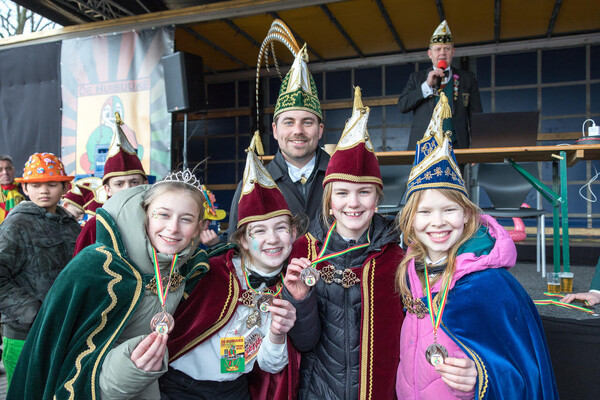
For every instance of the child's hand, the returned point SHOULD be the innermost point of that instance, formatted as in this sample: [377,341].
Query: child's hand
[148,355]
[283,317]
[458,373]
[292,280]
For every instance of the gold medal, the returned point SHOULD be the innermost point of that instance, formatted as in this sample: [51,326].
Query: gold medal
[162,323]
[436,354]
[253,319]
[310,276]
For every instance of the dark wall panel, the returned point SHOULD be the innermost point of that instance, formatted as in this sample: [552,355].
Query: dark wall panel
[30,101]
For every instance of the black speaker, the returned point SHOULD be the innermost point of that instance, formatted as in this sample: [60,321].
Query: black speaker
[184,82]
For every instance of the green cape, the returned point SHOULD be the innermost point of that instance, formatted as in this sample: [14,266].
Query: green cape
[82,316]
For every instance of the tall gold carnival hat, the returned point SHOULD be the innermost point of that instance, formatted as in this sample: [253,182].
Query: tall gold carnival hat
[298,90]
[354,159]
[122,157]
[261,199]
[435,165]
[442,34]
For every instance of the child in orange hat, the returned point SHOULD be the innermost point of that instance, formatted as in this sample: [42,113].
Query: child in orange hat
[36,242]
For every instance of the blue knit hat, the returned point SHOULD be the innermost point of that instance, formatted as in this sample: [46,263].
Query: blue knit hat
[435,165]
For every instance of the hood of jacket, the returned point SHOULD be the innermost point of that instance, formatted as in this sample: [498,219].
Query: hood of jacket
[490,247]
[125,208]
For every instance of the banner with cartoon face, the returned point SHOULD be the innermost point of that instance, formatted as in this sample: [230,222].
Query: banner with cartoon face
[115,72]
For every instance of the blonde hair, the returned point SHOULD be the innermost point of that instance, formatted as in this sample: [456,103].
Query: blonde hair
[326,202]
[418,252]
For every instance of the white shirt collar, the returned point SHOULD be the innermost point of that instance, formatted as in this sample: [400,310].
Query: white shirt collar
[296,173]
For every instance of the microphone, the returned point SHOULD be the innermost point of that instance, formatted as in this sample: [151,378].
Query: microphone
[442,64]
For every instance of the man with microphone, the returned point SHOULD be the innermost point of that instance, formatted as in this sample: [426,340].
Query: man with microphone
[421,93]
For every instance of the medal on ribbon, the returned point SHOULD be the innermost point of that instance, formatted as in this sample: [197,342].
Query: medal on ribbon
[261,299]
[436,353]
[163,322]
[310,275]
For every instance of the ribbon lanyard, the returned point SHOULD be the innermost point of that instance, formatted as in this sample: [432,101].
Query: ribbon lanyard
[254,290]
[437,319]
[561,304]
[321,258]
[162,293]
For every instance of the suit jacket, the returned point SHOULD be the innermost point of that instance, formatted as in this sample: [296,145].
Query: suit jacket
[467,103]
[290,190]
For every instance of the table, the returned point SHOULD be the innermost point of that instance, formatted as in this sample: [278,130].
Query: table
[562,156]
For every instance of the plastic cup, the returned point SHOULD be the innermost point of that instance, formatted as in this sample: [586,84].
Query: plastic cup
[566,282]
[553,282]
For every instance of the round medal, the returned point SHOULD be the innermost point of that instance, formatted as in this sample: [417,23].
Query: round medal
[436,354]
[162,323]
[264,302]
[310,276]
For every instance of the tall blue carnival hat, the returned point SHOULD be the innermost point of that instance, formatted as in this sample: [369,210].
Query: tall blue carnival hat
[435,165]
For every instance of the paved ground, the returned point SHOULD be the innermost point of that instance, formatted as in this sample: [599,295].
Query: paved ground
[531,280]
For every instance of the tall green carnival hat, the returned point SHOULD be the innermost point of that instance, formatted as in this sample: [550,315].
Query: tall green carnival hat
[298,90]
[435,165]
[261,199]
[442,34]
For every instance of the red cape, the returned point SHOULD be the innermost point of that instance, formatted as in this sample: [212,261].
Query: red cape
[209,307]
[87,236]
[382,316]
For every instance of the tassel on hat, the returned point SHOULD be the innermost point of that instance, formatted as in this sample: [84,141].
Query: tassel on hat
[435,165]
[121,158]
[354,158]
[260,199]
[298,90]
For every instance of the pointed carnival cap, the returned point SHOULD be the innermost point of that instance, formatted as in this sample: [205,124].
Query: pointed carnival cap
[442,34]
[261,199]
[435,165]
[354,159]
[298,90]
[44,167]
[96,199]
[75,197]
[122,158]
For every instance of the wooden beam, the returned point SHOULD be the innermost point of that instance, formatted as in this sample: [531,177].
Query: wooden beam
[189,15]
[420,56]
[341,29]
[390,24]
[239,30]
[440,10]
[553,18]
[219,49]
[497,15]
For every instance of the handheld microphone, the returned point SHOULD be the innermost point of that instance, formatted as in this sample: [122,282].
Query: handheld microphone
[442,64]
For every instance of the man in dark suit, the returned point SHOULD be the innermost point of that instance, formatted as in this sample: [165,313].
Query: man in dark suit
[422,93]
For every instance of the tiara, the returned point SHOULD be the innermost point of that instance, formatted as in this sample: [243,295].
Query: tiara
[186,176]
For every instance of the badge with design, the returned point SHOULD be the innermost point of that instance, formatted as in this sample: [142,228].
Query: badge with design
[310,276]
[232,355]
[264,302]
[436,354]
[252,341]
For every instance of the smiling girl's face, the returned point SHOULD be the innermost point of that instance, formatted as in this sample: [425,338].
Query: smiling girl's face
[268,243]
[438,223]
[173,221]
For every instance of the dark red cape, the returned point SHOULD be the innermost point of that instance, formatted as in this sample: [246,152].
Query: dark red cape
[87,236]
[209,307]
[382,316]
